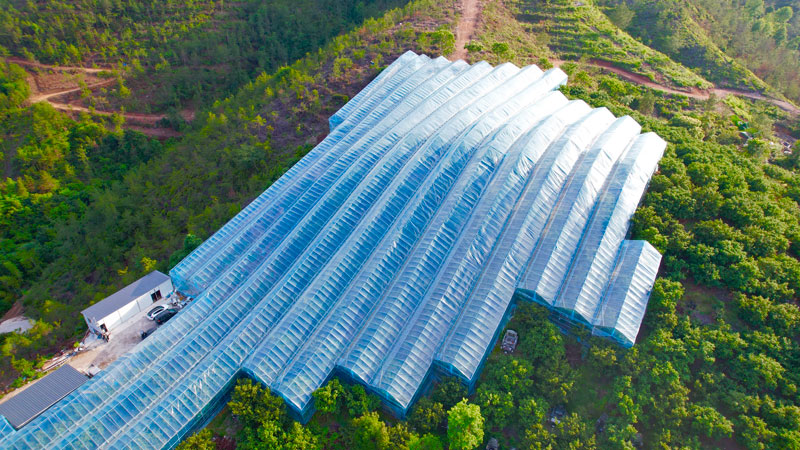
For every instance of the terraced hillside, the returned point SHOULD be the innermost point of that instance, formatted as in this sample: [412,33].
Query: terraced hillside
[575,32]
[745,45]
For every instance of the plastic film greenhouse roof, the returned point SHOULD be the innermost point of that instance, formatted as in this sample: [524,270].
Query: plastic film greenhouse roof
[395,246]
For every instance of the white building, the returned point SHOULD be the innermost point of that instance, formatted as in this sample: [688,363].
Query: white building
[115,309]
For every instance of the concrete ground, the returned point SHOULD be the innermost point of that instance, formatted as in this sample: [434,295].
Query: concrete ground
[18,324]
[121,340]
[96,352]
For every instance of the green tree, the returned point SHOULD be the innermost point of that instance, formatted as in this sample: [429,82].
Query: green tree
[253,404]
[269,435]
[358,402]
[464,426]
[646,103]
[757,148]
[400,437]
[370,433]
[202,440]
[148,264]
[500,49]
[532,410]
[300,438]
[427,416]
[190,242]
[473,46]
[710,423]
[14,87]
[448,392]
[572,433]
[621,15]
[425,442]
[497,407]
[445,40]
[328,399]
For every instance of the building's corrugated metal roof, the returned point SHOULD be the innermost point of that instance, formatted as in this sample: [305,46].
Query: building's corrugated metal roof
[125,295]
[25,406]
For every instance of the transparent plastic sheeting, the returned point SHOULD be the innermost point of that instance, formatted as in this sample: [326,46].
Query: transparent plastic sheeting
[395,246]
[5,428]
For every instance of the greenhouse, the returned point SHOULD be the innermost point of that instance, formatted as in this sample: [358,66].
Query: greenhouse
[394,250]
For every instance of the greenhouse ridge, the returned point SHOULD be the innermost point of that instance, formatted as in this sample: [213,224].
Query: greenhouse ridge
[397,246]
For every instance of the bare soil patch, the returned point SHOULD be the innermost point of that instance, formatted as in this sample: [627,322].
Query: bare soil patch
[470,13]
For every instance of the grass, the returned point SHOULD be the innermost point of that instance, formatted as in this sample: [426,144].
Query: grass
[564,31]
[224,424]
[706,305]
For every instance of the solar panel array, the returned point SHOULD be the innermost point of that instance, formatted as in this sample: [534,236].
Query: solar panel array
[395,246]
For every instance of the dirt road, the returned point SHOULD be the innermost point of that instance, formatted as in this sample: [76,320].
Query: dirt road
[700,94]
[26,63]
[51,92]
[46,96]
[468,23]
[470,12]
[147,119]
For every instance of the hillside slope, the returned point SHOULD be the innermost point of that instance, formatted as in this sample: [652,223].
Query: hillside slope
[732,43]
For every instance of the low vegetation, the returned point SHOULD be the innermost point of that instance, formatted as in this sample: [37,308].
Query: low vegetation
[749,44]
[572,31]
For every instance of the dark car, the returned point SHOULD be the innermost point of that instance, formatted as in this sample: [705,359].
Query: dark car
[165,315]
[148,332]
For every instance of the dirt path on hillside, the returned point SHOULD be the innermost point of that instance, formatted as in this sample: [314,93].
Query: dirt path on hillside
[470,11]
[26,63]
[15,311]
[468,23]
[50,93]
[46,96]
[143,123]
[696,93]
[147,119]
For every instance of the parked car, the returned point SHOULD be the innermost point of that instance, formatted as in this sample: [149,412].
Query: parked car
[509,343]
[155,311]
[148,332]
[165,315]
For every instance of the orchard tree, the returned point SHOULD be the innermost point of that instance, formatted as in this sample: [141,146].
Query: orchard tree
[359,402]
[708,422]
[425,442]
[448,392]
[427,416]
[300,438]
[464,426]
[253,404]
[328,398]
[202,440]
[497,406]
[400,437]
[370,433]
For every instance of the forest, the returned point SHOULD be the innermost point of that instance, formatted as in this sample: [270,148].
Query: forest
[176,55]
[88,206]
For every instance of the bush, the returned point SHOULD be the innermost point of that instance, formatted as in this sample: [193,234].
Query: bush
[448,392]
[202,440]
[427,416]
